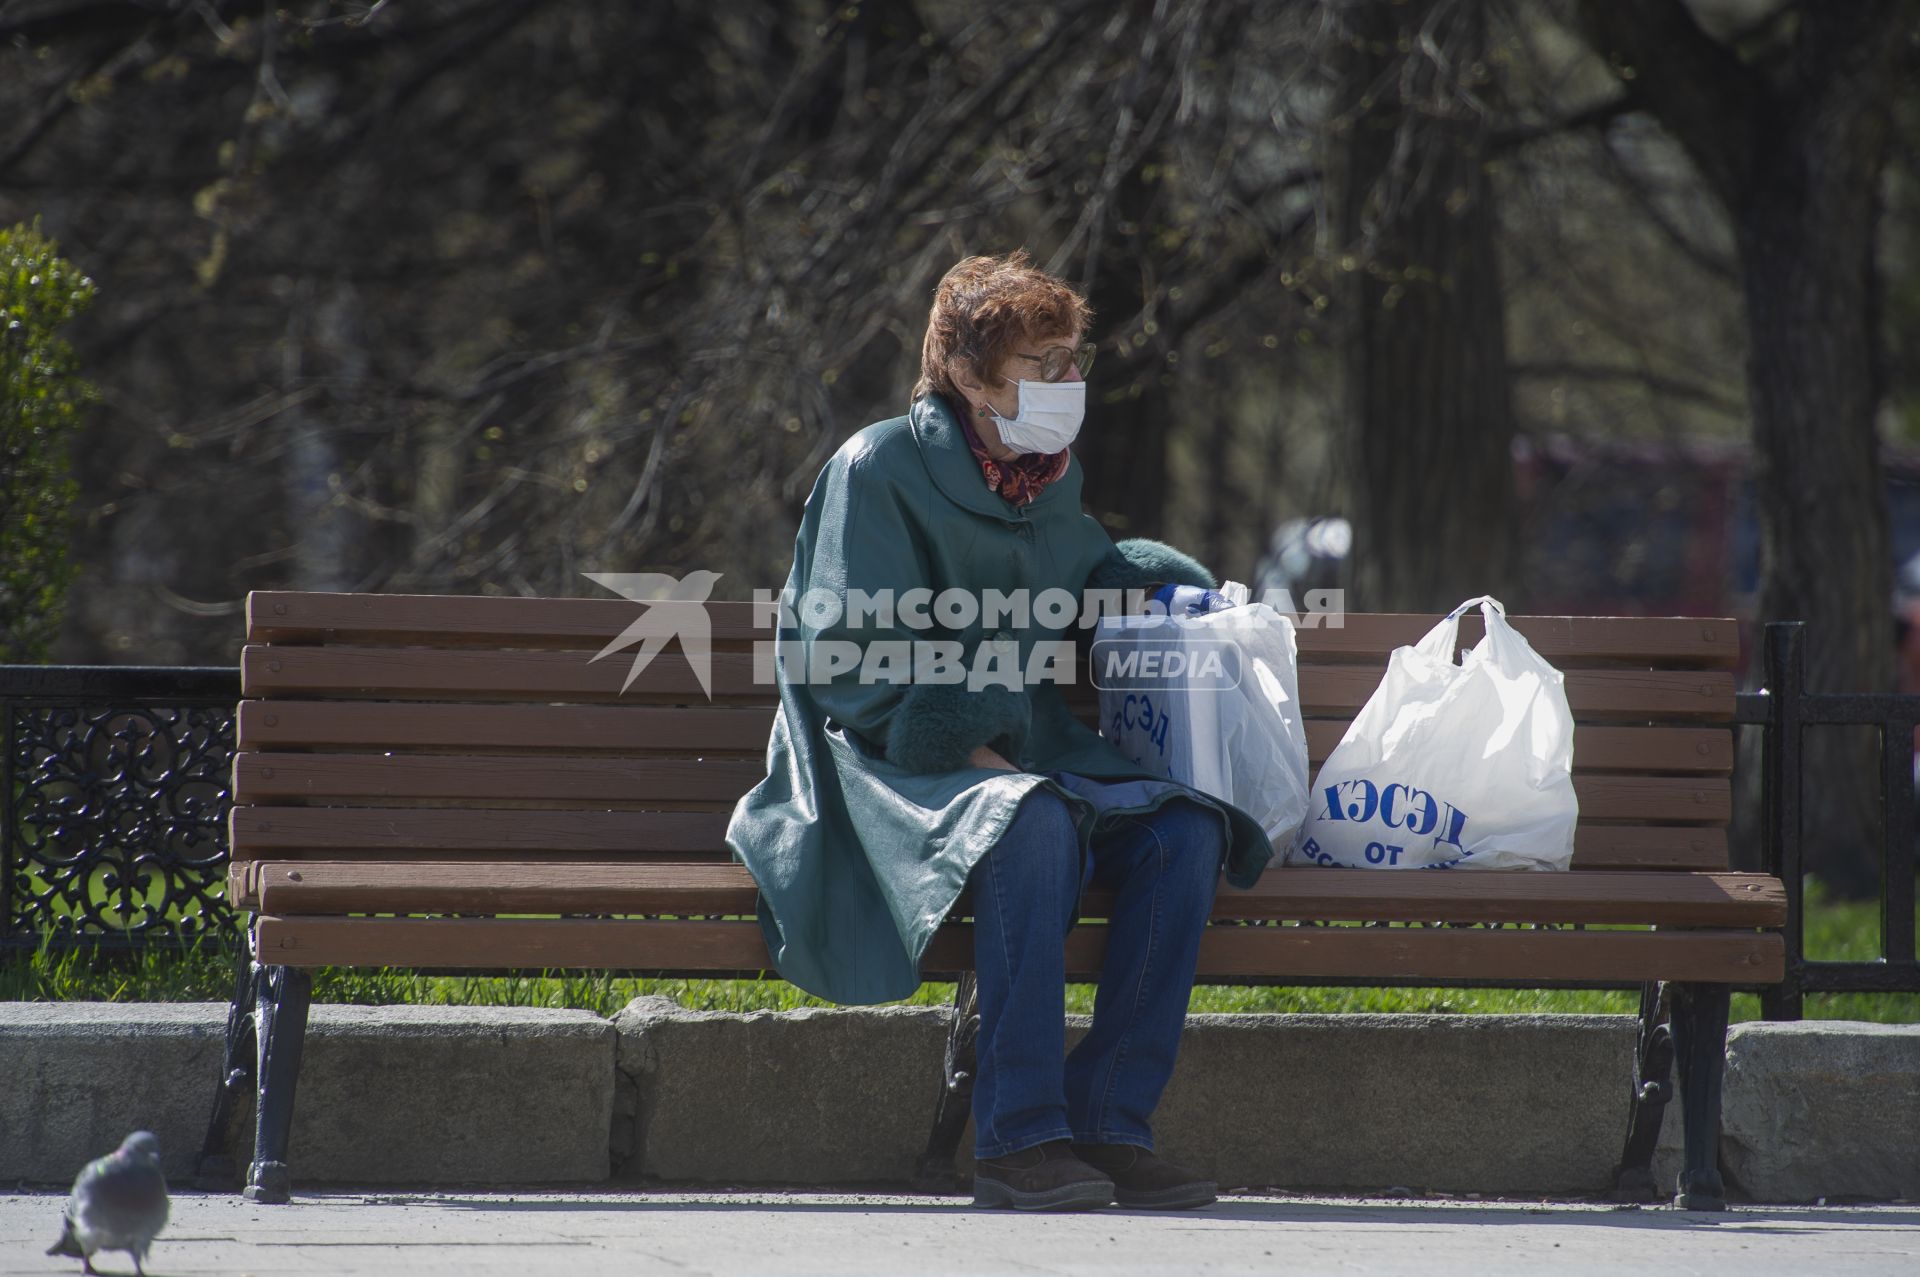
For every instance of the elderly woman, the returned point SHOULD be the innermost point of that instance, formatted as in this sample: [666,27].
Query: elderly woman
[892,784]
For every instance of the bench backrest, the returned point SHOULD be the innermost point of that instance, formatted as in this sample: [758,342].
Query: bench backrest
[478,728]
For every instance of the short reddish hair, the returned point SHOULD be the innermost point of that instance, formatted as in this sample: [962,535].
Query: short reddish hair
[984,307]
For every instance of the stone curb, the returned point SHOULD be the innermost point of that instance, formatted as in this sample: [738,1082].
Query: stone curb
[1322,1101]
[1821,1109]
[387,1095]
[510,1096]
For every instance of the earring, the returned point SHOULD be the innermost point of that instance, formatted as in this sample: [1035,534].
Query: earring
[982,410]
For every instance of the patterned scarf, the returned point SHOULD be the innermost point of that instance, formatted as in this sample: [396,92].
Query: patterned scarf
[1022,479]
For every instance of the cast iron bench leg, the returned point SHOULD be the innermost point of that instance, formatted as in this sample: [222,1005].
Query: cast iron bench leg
[280,1025]
[1780,1002]
[1652,1088]
[215,1169]
[956,1097]
[1700,1049]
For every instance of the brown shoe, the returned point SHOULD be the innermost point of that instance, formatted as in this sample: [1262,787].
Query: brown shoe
[1045,1177]
[1147,1182]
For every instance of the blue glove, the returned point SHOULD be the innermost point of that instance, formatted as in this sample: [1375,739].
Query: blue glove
[1188,600]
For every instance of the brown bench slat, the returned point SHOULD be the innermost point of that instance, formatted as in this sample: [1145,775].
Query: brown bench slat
[574,778]
[1437,956]
[1281,954]
[1566,641]
[1646,695]
[428,833]
[426,725]
[451,621]
[242,894]
[1663,798]
[1663,847]
[400,673]
[494,777]
[668,729]
[446,620]
[1299,894]
[1596,747]
[254,832]
[1330,691]
[1616,694]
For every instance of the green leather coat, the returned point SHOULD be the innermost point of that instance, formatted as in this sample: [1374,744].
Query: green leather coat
[870,818]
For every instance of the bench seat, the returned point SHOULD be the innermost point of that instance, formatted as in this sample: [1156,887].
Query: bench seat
[1257,954]
[306,909]
[1295,894]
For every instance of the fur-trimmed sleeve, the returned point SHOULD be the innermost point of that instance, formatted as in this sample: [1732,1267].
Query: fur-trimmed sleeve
[937,726]
[1141,561]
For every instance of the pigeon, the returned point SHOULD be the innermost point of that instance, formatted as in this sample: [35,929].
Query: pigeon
[119,1202]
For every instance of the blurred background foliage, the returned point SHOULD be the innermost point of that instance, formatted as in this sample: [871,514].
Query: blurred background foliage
[41,394]
[1601,305]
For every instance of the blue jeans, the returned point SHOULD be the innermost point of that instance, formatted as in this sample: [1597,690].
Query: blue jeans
[1163,866]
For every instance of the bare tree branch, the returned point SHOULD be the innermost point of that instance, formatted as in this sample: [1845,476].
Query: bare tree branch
[1715,264]
[1671,387]
[1595,116]
[1694,85]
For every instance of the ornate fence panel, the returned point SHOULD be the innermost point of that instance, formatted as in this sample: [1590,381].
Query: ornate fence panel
[118,785]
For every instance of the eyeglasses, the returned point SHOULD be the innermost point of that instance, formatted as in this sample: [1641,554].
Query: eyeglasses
[1055,360]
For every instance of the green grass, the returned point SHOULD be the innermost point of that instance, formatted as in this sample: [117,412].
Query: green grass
[1836,930]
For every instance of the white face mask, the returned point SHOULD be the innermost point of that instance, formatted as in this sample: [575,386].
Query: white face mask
[1048,417]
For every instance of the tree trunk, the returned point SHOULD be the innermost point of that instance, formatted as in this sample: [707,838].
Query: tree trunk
[327,543]
[1806,233]
[1125,449]
[1794,146]
[1226,509]
[1430,468]
[1126,461]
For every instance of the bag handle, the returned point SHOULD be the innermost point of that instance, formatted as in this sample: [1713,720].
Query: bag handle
[1487,604]
[1442,641]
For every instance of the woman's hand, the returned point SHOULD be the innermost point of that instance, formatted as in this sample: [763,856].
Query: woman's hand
[984,757]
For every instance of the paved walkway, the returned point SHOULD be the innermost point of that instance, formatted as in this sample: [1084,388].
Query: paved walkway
[585,1234]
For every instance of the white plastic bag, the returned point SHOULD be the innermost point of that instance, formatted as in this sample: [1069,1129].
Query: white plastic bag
[1452,766]
[1211,701]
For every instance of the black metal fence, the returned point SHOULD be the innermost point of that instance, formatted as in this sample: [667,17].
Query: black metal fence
[1785,708]
[118,785]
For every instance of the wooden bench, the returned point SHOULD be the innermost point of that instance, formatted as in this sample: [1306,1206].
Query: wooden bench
[412,770]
